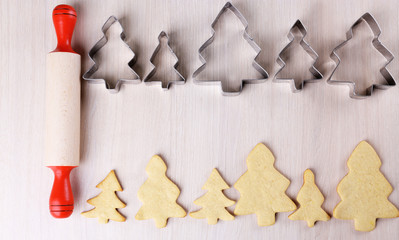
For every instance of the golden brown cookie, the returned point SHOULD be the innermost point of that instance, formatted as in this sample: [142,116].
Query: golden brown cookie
[214,202]
[107,201]
[364,190]
[262,188]
[310,199]
[158,195]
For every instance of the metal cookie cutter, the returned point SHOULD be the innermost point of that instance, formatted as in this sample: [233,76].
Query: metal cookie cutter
[165,84]
[375,28]
[309,50]
[88,75]
[261,70]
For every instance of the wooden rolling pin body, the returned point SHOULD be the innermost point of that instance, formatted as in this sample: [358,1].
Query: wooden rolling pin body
[62,109]
[62,112]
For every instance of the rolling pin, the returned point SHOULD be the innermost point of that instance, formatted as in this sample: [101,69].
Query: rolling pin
[62,139]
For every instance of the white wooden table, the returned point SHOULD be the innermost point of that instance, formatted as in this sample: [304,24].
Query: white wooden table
[193,127]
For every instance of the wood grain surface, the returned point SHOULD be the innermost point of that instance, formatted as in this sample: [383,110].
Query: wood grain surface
[193,127]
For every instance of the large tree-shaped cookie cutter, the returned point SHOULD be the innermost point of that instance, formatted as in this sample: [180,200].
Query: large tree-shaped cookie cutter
[309,50]
[164,84]
[375,28]
[260,69]
[88,76]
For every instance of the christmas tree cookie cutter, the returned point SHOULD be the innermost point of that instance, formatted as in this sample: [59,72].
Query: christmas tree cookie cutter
[88,76]
[375,28]
[309,50]
[164,84]
[247,37]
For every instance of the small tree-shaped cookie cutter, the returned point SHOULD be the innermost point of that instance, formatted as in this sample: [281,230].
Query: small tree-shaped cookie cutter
[88,75]
[309,50]
[375,28]
[256,65]
[164,85]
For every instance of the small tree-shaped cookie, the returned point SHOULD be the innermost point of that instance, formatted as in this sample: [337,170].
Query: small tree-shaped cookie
[158,195]
[310,199]
[107,201]
[364,190]
[262,188]
[214,202]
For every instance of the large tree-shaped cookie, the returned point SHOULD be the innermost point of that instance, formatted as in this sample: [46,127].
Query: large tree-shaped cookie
[159,195]
[262,188]
[364,190]
[310,199]
[214,202]
[107,201]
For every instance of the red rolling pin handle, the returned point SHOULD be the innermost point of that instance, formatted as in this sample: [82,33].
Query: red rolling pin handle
[64,19]
[61,198]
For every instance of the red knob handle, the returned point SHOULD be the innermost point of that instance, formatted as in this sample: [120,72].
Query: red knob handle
[61,198]
[64,19]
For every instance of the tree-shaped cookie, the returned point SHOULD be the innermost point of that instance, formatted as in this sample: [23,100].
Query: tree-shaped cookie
[364,190]
[310,199]
[107,201]
[158,195]
[262,188]
[214,202]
